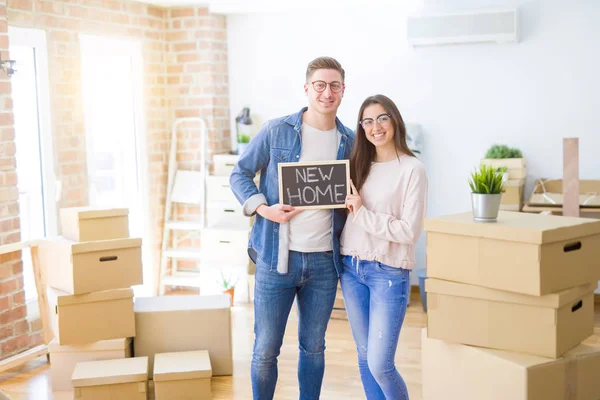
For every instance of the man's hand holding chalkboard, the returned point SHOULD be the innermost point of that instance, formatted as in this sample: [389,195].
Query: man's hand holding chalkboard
[353,200]
[280,213]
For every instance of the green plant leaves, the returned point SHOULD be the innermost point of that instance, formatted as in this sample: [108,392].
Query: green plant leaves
[243,138]
[486,180]
[503,151]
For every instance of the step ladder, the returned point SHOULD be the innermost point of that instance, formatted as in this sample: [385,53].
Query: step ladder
[185,187]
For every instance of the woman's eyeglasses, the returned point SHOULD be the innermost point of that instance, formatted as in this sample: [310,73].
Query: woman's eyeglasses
[383,120]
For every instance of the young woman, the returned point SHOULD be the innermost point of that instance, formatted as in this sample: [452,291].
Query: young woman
[387,208]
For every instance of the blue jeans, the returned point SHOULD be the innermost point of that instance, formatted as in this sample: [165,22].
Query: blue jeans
[312,279]
[376,296]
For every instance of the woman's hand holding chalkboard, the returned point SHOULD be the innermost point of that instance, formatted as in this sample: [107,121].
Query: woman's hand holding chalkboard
[353,200]
[280,213]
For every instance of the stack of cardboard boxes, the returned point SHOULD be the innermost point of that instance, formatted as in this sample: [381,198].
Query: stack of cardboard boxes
[89,272]
[104,345]
[508,305]
[513,196]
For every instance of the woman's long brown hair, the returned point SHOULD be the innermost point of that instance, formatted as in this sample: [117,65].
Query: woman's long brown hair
[363,152]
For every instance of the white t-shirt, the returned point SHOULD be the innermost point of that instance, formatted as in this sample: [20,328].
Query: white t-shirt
[310,231]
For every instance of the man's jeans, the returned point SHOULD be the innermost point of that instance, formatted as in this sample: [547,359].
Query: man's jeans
[375,296]
[312,278]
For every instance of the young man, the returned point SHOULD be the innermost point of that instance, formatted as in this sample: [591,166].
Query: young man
[297,254]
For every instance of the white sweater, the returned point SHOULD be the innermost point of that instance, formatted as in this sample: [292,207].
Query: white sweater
[390,221]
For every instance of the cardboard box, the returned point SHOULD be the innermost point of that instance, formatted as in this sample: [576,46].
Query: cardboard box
[549,192]
[64,358]
[124,379]
[88,318]
[459,372]
[513,192]
[78,268]
[185,323]
[87,224]
[546,326]
[524,253]
[182,376]
[517,167]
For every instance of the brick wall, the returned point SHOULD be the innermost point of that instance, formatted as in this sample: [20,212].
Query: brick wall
[14,328]
[185,74]
[197,86]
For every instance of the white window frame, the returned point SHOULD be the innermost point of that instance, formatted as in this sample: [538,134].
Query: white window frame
[37,38]
[128,47]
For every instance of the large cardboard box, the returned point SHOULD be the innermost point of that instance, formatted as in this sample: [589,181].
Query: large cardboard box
[88,318]
[124,379]
[182,376]
[546,326]
[458,372]
[64,358]
[524,253]
[170,324]
[78,268]
[87,224]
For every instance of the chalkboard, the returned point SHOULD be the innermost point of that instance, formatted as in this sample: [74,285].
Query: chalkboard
[314,185]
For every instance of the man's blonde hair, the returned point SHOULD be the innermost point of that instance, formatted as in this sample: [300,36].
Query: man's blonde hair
[324,63]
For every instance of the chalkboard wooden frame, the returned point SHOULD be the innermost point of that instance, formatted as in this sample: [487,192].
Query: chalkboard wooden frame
[346,163]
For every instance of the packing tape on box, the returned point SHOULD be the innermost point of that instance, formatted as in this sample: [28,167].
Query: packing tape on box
[571,374]
[590,197]
[544,194]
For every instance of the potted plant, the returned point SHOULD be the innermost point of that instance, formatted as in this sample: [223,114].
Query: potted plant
[243,141]
[227,286]
[500,155]
[487,187]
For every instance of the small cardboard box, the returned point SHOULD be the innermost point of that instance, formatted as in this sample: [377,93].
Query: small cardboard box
[123,379]
[87,224]
[182,376]
[167,324]
[546,326]
[458,372]
[64,358]
[513,192]
[521,252]
[517,167]
[78,268]
[88,318]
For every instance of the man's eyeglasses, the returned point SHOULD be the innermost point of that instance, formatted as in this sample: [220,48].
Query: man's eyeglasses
[369,123]
[320,86]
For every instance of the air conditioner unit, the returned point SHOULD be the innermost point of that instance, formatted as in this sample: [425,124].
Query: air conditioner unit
[499,26]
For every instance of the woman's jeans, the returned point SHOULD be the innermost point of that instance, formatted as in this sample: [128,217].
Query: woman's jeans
[376,296]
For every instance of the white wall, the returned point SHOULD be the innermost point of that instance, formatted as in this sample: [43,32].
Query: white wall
[466,97]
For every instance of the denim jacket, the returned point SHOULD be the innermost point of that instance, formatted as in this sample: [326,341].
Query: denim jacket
[279,140]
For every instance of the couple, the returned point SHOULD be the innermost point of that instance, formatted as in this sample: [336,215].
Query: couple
[301,254]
